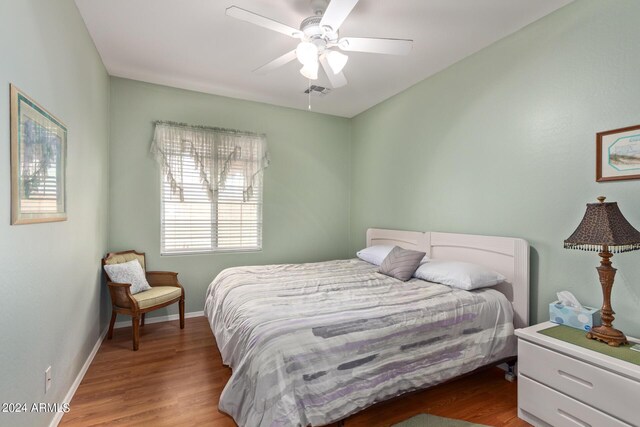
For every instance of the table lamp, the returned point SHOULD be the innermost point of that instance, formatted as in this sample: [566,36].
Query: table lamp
[604,229]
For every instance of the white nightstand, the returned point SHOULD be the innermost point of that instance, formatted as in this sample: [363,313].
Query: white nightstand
[561,384]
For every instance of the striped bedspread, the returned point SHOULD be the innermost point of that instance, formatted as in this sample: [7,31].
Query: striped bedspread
[312,343]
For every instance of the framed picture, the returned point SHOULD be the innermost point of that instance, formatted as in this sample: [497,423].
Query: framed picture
[38,162]
[618,154]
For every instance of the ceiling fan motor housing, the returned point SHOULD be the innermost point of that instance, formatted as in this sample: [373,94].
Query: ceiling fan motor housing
[316,34]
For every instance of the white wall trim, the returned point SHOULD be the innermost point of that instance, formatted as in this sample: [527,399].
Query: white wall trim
[159,319]
[76,383]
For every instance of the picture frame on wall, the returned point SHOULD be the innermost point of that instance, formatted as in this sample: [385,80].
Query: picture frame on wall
[618,154]
[38,162]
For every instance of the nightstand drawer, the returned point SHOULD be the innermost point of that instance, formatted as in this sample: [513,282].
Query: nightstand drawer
[550,408]
[599,388]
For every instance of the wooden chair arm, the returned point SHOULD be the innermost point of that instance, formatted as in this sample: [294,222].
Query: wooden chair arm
[121,295]
[163,278]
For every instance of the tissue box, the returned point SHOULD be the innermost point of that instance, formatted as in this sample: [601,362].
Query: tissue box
[584,318]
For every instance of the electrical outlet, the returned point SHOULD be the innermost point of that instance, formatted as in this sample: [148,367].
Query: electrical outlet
[47,379]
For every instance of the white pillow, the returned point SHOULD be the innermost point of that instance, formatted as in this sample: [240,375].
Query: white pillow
[457,274]
[377,253]
[128,272]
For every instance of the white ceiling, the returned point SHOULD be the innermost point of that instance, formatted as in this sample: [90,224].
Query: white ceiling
[192,44]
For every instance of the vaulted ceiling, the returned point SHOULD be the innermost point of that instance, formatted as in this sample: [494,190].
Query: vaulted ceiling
[192,44]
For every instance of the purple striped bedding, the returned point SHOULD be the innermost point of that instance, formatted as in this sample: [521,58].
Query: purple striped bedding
[310,344]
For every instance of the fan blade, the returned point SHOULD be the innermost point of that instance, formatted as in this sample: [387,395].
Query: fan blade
[336,13]
[254,18]
[386,46]
[336,80]
[278,62]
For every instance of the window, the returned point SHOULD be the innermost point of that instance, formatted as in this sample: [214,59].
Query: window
[211,190]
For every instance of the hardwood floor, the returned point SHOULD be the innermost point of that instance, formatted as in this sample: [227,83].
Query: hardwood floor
[176,378]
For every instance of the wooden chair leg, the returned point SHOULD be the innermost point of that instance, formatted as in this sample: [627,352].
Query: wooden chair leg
[135,322]
[111,324]
[142,319]
[181,308]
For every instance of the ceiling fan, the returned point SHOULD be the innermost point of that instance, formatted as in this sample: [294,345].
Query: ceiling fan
[320,43]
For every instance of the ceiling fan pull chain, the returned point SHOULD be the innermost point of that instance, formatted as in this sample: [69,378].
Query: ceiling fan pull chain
[309,92]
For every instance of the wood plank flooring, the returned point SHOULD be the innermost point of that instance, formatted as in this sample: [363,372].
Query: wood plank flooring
[176,378]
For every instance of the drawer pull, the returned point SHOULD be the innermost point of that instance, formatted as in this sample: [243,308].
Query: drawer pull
[573,419]
[573,378]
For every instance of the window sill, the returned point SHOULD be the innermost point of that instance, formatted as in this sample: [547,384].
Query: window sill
[217,251]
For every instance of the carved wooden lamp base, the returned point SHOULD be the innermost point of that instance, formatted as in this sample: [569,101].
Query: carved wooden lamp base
[609,335]
[606,332]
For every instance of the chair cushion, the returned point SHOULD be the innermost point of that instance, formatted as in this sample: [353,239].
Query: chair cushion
[125,257]
[156,296]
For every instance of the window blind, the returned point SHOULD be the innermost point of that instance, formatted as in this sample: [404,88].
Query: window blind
[201,217]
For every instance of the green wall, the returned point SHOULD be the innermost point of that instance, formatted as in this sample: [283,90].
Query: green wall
[503,143]
[306,187]
[52,308]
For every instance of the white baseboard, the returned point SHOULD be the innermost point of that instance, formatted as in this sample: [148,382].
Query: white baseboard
[76,383]
[158,319]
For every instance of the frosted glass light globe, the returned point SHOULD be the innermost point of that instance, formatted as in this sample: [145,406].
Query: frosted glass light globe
[307,53]
[310,70]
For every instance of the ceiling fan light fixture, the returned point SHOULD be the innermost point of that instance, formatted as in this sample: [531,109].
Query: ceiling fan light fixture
[310,70]
[318,42]
[307,53]
[337,60]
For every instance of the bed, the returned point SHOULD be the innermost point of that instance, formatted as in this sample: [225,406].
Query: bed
[310,344]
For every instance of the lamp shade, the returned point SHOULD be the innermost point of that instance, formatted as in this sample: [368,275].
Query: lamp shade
[604,225]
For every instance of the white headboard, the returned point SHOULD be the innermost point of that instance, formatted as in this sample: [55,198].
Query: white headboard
[508,256]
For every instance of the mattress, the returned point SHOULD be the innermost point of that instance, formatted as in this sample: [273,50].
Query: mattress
[310,344]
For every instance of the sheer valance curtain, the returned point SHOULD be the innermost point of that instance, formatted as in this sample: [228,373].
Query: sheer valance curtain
[215,152]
